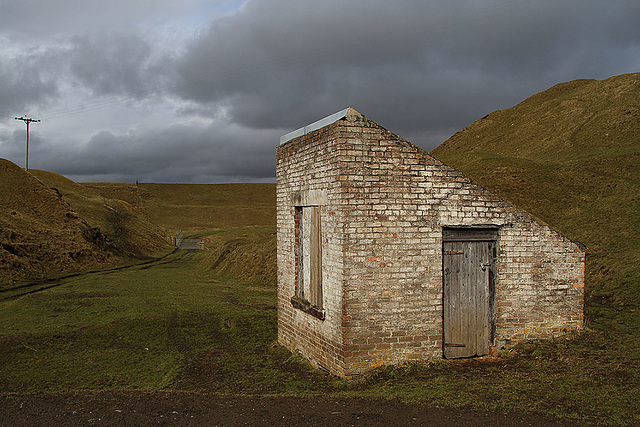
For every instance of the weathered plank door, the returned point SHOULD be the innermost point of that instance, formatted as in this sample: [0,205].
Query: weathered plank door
[468,265]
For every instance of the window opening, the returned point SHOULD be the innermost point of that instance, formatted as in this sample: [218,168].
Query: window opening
[308,296]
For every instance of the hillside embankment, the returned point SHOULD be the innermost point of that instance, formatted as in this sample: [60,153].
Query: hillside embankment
[571,156]
[235,221]
[51,226]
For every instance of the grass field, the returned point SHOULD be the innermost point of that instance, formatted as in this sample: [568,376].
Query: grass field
[194,207]
[206,322]
[146,327]
[177,324]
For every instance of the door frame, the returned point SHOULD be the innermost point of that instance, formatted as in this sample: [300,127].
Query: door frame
[485,233]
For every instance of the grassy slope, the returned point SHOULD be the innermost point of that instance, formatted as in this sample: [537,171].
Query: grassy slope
[40,234]
[50,226]
[571,156]
[122,220]
[200,207]
[236,221]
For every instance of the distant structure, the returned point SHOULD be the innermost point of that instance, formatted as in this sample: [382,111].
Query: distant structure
[387,255]
[27,121]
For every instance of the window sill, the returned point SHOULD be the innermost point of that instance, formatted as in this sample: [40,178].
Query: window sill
[307,308]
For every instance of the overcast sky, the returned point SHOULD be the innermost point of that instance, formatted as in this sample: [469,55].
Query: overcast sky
[201,91]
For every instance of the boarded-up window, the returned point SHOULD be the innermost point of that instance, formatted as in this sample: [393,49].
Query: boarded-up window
[309,256]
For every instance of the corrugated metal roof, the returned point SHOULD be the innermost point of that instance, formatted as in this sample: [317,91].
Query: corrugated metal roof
[315,125]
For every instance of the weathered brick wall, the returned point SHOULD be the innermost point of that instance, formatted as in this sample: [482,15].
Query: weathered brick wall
[540,290]
[307,168]
[389,202]
[398,199]
[393,297]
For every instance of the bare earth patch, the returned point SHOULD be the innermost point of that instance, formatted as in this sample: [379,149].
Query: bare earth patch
[182,409]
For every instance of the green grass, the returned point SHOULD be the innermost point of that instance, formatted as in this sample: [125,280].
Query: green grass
[589,377]
[170,325]
[183,324]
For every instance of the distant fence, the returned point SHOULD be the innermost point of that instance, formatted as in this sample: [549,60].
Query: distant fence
[191,244]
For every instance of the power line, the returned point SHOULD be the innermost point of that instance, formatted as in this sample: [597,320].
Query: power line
[27,121]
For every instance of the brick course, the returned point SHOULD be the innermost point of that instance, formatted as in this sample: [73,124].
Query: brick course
[384,203]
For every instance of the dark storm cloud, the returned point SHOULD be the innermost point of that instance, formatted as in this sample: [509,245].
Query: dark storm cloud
[178,153]
[419,67]
[206,98]
[26,79]
[120,67]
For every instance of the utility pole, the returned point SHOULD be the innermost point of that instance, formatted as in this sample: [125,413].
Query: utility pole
[27,121]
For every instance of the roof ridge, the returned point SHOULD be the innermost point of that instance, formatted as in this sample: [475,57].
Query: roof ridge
[332,118]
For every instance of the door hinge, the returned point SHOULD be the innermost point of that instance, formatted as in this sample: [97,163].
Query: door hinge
[451,344]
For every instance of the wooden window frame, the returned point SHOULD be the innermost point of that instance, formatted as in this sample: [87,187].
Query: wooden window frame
[308,295]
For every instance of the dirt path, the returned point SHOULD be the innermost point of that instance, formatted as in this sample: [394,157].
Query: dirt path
[189,409]
[9,293]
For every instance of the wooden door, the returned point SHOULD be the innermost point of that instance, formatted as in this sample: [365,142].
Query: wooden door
[467,279]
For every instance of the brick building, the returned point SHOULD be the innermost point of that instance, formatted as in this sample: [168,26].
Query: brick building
[386,255]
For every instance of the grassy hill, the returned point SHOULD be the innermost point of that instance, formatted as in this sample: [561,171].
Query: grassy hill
[50,225]
[40,235]
[571,156]
[198,207]
[123,221]
[236,221]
